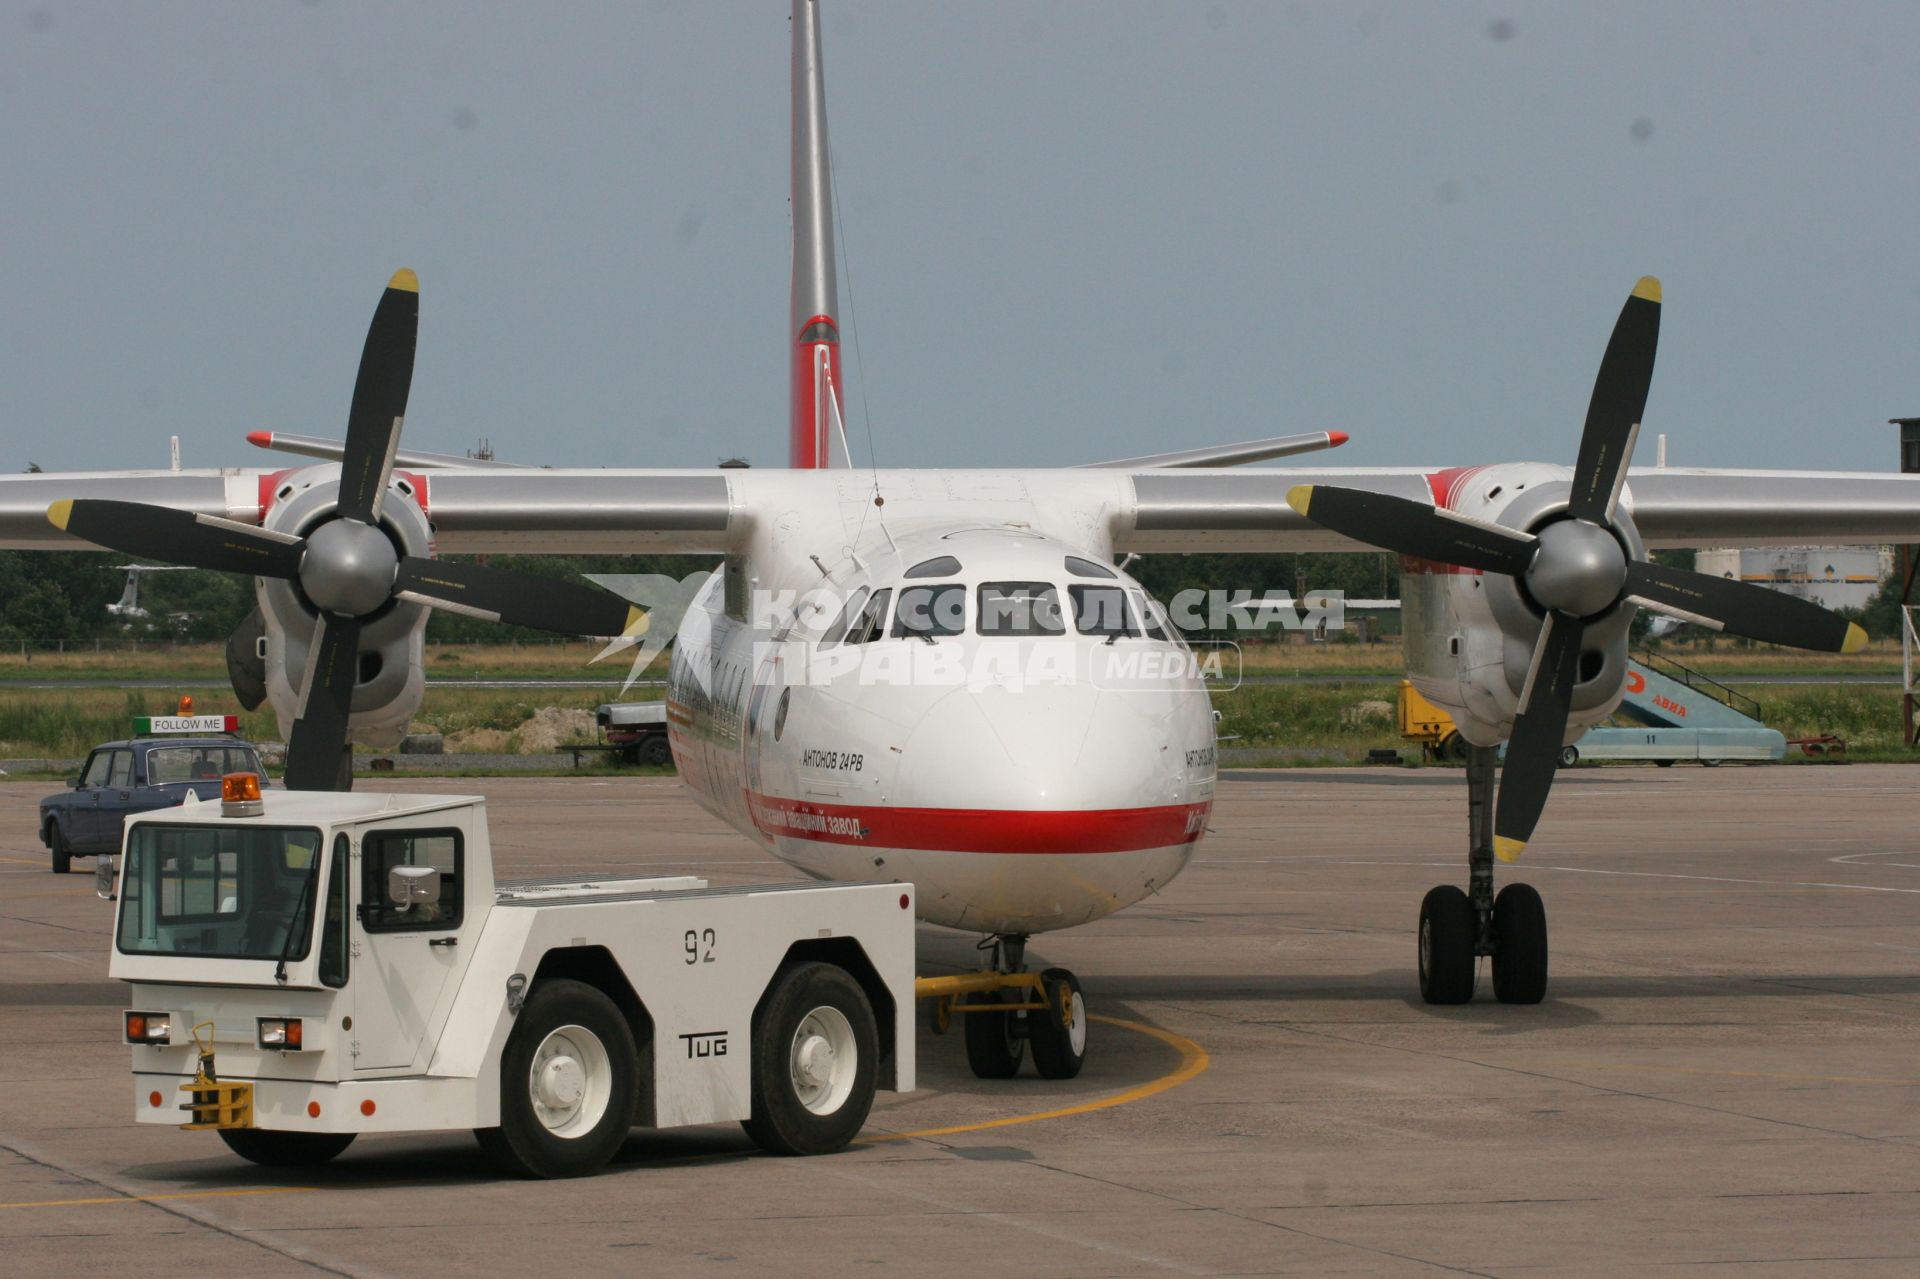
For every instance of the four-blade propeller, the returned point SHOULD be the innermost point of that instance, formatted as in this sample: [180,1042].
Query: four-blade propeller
[348,567]
[1576,568]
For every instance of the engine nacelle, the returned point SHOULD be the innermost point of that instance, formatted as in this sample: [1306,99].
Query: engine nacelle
[1470,636]
[391,680]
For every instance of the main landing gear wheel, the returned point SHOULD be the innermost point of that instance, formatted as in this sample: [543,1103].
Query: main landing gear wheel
[285,1149]
[1519,946]
[815,1046]
[1447,927]
[1059,1035]
[995,1045]
[569,1084]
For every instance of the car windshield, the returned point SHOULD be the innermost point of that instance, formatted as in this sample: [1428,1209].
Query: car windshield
[226,891]
[198,763]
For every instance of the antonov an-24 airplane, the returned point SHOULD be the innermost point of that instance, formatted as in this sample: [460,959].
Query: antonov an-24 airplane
[1068,770]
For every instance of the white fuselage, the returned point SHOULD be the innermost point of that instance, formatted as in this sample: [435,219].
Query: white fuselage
[1043,759]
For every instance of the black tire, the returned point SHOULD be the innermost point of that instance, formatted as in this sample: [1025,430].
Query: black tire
[1663,763]
[655,751]
[1447,962]
[1709,763]
[57,850]
[285,1149]
[569,1139]
[994,1042]
[1569,756]
[812,1016]
[1519,945]
[1454,748]
[1059,1035]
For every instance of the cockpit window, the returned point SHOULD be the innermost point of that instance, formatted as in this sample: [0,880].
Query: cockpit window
[871,623]
[1088,568]
[838,631]
[939,566]
[1102,610]
[1153,616]
[927,611]
[1020,608]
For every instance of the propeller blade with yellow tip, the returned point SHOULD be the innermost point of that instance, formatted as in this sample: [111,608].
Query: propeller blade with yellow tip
[516,599]
[1414,528]
[1740,608]
[1619,399]
[179,537]
[380,399]
[1533,752]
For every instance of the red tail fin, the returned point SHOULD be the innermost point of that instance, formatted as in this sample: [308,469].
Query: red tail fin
[815,308]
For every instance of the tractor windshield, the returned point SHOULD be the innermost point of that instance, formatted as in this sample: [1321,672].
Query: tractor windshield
[224,891]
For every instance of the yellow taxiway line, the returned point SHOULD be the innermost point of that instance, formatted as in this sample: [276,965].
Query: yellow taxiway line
[1193,1061]
[142,1199]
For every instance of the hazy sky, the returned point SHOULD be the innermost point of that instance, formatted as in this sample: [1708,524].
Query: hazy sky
[1075,230]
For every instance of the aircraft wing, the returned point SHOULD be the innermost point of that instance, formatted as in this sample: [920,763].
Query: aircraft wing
[534,510]
[1672,507]
[500,510]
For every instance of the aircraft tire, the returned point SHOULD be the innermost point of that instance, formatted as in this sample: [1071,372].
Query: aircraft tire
[564,1120]
[994,1046]
[815,1045]
[57,850]
[1446,937]
[1059,1035]
[285,1149]
[1519,946]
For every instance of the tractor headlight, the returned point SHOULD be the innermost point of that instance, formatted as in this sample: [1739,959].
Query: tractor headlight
[280,1033]
[149,1028]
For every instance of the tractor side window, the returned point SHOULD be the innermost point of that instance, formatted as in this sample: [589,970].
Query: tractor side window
[1102,610]
[927,611]
[97,766]
[333,924]
[848,614]
[1020,608]
[382,851]
[122,774]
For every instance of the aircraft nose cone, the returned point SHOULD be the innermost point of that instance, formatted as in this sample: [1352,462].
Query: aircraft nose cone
[1050,747]
[348,568]
[1578,568]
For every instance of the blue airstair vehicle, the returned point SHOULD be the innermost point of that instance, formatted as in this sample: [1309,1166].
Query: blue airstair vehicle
[1675,712]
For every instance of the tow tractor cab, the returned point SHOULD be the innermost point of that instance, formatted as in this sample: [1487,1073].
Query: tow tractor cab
[305,967]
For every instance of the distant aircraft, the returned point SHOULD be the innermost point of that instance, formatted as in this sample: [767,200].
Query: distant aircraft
[128,605]
[1069,768]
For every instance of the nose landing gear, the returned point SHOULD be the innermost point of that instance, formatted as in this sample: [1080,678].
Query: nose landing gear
[1457,928]
[1007,1009]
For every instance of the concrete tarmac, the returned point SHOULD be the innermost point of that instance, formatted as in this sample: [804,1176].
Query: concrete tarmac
[1724,1079]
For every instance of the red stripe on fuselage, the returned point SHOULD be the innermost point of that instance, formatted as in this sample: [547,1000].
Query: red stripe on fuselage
[981,830]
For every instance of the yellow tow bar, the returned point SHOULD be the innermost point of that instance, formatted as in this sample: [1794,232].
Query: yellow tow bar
[945,993]
[212,1103]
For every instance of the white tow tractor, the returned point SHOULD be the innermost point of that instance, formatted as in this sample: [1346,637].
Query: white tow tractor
[307,967]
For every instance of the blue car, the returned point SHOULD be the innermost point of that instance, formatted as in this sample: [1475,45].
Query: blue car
[141,773]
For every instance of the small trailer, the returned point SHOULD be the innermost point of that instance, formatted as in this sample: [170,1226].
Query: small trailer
[307,967]
[637,731]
